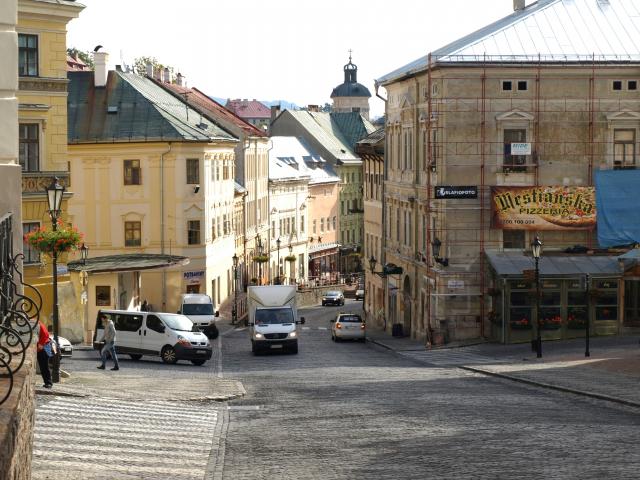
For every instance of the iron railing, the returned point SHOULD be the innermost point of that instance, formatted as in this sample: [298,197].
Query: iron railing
[19,314]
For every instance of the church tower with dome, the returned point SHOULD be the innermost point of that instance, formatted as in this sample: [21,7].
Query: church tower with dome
[351,96]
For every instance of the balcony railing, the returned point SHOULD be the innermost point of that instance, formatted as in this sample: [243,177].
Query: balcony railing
[19,314]
[37,182]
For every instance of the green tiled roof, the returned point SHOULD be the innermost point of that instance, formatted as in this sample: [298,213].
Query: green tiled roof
[132,108]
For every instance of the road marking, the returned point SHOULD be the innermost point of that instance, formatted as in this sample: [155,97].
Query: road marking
[322,328]
[107,438]
[240,329]
[306,328]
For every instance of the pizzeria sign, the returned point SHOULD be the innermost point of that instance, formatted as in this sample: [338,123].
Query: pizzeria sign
[543,208]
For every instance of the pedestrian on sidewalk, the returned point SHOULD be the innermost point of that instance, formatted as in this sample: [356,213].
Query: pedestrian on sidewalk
[145,306]
[45,351]
[109,339]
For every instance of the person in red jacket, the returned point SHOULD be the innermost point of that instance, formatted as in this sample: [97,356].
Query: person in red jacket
[44,344]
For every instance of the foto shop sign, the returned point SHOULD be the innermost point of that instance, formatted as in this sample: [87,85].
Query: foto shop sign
[520,149]
[449,191]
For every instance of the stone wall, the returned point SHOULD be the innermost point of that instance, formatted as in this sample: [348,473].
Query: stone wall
[17,418]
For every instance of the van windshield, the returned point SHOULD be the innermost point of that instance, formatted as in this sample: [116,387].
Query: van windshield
[270,316]
[197,309]
[176,322]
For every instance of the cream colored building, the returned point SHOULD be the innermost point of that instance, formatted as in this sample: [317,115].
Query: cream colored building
[10,169]
[371,150]
[487,111]
[42,69]
[151,176]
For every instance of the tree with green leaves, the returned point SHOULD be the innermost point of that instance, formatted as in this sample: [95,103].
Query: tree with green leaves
[85,56]
[140,65]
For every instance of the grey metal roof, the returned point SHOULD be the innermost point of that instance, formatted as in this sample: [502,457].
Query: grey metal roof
[513,263]
[549,31]
[126,262]
[131,108]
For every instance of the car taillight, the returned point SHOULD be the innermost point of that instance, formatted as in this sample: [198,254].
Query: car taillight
[338,326]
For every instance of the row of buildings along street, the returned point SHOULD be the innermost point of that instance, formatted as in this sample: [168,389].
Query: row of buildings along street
[486,144]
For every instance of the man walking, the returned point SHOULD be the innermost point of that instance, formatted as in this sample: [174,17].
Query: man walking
[109,339]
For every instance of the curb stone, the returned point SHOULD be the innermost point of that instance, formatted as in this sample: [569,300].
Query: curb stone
[550,386]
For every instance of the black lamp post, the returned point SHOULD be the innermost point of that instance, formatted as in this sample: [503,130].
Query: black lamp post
[372,268]
[536,249]
[234,311]
[291,264]
[84,253]
[436,244]
[278,242]
[55,192]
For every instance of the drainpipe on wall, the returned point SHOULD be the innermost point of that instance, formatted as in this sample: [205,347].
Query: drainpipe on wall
[164,271]
[383,240]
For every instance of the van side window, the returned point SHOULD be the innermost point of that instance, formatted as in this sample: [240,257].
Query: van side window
[128,323]
[155,324]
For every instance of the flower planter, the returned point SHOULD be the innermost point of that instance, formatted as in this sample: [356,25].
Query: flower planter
[261,258]
[550,326]
[290,258]
[63,239]
[520,326]
[576,325]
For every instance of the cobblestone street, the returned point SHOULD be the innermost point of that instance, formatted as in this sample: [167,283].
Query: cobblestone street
[334,411]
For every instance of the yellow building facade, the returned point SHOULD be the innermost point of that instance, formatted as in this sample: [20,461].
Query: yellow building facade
[42,97]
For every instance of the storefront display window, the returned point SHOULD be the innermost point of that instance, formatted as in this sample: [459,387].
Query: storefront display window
[577,311]
[550,313]
[520,303]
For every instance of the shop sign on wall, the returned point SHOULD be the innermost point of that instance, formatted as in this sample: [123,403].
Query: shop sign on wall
[191,278]
[543,208]
[520,149]
[448,191]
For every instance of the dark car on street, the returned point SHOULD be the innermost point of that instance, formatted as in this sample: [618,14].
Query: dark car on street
[333,297]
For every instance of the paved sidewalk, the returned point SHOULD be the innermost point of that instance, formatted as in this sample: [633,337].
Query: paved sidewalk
[612,372]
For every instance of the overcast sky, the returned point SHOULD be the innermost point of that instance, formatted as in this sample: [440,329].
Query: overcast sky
[290,50]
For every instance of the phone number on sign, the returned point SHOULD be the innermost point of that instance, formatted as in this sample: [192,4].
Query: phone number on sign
[518,222]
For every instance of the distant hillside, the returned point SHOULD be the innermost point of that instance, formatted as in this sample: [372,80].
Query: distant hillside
[284,105]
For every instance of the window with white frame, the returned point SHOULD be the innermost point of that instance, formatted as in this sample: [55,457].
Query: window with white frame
[29,155]
[31,255]
[132,234]
[624,149]
[510,162]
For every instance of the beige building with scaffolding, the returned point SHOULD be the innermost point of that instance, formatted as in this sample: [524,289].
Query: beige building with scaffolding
[501,109]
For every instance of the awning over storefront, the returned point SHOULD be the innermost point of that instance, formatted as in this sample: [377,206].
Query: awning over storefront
[630,259]
[321,249]
[512,264]
[126,262]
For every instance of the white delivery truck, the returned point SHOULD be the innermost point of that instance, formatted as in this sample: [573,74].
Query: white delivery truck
[273,318]
[198,308]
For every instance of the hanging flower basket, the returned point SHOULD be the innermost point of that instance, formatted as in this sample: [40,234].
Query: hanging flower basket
[261,258]
[290,258]
[63,239]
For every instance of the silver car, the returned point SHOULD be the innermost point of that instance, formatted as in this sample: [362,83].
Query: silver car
[348,326]
[333,297]
[66,349]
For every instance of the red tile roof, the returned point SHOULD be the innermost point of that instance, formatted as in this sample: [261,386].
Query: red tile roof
[249,108]
[76,64]
[208,106]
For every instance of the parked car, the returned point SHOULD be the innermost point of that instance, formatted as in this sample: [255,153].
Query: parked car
[333,297]
[348,326]
[360,293]
[66,349]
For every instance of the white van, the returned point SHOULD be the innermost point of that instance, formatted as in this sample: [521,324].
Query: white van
[198,308]
[273,318]
[168,335]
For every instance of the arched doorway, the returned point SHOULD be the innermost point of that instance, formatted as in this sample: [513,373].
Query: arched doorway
[407,302]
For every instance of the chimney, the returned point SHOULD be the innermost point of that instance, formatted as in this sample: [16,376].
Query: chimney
[180,80]
[149,68]
[275,111]
[167,75]
[100,71]
[518,5]
[313,108]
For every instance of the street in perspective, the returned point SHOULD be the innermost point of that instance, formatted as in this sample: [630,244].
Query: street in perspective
[383,409]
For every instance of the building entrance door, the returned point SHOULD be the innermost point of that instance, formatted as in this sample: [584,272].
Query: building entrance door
[632,301]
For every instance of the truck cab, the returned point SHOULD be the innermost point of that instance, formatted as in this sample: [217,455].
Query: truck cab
[273,318]
[198,308]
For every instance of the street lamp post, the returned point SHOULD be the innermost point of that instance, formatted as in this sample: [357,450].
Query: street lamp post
[260,252]
[372,268]
[278,242]
[536,249]
[234,311]
[291,264]
[55,192]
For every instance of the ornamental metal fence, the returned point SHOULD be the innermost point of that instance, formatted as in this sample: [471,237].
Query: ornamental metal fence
[19,313]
